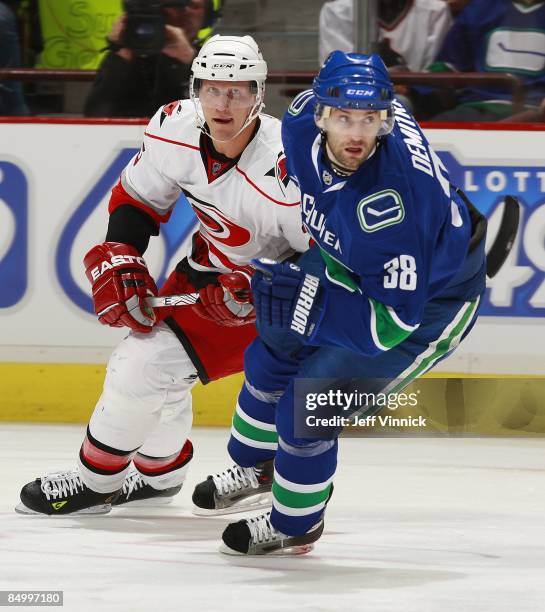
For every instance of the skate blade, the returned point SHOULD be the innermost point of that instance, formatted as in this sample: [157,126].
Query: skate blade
[263,500]
[292,551]
[146,503]
[22,509]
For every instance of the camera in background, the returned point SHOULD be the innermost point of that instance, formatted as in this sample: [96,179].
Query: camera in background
[145,29]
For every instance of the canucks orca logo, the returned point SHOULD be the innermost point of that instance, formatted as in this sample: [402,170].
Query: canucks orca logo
[70,251]
[380,210]
[519,287]
[13,234]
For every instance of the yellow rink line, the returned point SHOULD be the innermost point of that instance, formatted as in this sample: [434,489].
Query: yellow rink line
[67,393]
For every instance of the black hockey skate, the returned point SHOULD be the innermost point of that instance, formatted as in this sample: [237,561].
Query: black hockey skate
[237,489]
[63,493]
[256,536]
[137,494]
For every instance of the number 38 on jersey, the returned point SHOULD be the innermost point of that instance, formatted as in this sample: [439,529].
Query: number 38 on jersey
[400,273]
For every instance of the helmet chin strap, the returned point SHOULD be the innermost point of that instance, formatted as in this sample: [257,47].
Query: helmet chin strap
[336,166]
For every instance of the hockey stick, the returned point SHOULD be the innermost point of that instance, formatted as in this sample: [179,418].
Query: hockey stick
[505,238]
[184,299]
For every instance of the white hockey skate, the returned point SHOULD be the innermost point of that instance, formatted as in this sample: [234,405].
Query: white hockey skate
[236,489]
[256,536]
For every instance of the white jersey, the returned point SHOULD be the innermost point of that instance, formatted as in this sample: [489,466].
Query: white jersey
[247,207]
[416,35]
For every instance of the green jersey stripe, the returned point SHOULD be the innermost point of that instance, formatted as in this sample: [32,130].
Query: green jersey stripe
[339,274]
[253,443]
[252,432]
[301,488]
[292,499]
[387,331]
[447,341]
[254,422]
[290,511]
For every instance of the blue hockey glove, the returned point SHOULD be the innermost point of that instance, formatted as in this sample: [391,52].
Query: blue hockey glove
[287,299]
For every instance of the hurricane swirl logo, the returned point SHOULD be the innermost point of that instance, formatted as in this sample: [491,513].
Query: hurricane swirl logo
[216,225]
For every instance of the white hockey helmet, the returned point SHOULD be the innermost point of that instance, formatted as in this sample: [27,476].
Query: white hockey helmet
[229,58]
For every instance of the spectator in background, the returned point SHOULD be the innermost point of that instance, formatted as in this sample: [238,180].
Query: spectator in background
[495,36]
[132,84]
[410,31]
[12,101]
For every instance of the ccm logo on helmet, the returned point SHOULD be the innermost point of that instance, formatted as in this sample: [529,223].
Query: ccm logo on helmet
[116,260]
[360,92]
[219,66]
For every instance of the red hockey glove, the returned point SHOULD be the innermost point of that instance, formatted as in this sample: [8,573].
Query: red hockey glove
[120,281]
[230,303]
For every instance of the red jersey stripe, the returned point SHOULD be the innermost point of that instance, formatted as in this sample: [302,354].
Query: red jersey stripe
[262,192]
[174,142]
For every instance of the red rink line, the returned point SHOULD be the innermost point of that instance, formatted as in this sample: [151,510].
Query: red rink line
[73,121]
[489,126]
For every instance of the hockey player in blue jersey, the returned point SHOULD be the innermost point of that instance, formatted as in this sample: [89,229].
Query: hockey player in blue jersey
[391,287]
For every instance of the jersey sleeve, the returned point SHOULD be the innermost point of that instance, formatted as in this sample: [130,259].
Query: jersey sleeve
[377,294]
[289,221]
[143,183]
[359,323]
[379,302]
[294,118]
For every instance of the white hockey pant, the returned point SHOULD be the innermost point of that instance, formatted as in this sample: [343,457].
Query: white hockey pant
[145,406]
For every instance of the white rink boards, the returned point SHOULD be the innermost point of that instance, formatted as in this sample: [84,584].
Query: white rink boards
[55,182]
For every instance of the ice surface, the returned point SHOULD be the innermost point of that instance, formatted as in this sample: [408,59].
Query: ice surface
[414,525]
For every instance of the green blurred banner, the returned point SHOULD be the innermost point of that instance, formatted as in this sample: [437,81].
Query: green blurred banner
[74,32]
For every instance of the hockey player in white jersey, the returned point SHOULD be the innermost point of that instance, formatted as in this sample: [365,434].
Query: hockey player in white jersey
[226,157]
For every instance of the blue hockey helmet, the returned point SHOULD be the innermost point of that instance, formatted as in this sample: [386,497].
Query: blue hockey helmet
[354,81]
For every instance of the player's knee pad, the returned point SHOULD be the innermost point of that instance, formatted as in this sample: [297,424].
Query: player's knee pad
[144,367]
[147,375]
[172,429]
[167,471]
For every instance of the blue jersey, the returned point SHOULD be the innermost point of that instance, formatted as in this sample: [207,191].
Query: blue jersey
[393,235]
[499,36]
